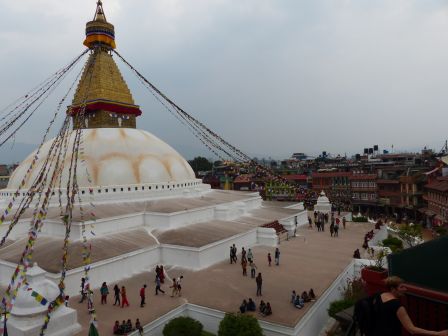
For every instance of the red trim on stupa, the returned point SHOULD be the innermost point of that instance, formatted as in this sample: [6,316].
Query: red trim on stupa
[109,107]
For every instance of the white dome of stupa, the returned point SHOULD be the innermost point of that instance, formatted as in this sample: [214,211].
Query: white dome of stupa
[113,157]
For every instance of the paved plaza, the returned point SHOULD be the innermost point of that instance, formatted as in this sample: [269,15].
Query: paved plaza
[311,260]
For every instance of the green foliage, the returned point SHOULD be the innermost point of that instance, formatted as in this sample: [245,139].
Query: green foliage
[206,333]
[339,305]
[409,232]
[394,243]
[200,163]
[352,291]
[239,325]
[359,219]
[441,231]
[183,326]
[378,258]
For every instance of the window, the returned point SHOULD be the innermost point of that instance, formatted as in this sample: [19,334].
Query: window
[149,187]
[114,190]
[99,191]
[129,189]
[107,190]
[121,189]
[143,188]
[136,188]
[82,192]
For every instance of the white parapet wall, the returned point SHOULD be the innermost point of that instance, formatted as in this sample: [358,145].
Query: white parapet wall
[291,223]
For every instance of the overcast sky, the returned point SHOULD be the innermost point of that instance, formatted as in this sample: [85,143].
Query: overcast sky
[272,77]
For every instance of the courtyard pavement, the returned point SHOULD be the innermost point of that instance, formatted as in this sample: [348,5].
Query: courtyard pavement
[311,260]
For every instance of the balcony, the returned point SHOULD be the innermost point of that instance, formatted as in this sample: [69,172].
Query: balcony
[371,189]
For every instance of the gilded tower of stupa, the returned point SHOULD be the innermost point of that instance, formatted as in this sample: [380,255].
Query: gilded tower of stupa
[102,93]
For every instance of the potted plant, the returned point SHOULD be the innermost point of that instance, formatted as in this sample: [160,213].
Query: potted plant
[374,275]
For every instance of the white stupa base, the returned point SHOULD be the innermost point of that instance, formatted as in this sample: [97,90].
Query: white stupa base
[28,315]
[63,323]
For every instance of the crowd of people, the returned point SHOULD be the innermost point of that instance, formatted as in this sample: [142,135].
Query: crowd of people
[126,327]
[247,259]
[121,298]
[299,300]
[323,218]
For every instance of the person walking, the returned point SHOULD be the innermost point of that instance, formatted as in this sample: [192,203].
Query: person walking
[243,254]
[117,295]
[158,289]
[143,296]
[277,256]
[250,256]
[89,298]
[83,290]
[231,255]
[259,281]
[336,230]
[174,287]
[179,285]
[162,274]
[331,229]
[104,292]
[343,222]
[124,298]
[269,259]
[244,266]
[253,267]
[235,252]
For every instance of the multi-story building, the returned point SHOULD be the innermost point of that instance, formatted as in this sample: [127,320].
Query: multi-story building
[336,185]
[437,198]
[411,186]
[300,180]
[364,191]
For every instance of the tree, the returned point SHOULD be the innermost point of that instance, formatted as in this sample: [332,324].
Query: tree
[200,163]
[410,233]
[239,325]
[183,326]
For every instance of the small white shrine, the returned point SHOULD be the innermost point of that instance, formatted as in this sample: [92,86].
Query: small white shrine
[28,314]
[323,204]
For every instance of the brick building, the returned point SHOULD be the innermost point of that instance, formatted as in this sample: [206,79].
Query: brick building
[336,185]
[364,191]
[437,198]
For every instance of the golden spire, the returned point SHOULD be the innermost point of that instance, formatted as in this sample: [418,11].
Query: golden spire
[99,31]
[99,13]
[102,93]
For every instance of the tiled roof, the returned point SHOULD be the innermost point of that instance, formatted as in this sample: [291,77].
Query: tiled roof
[383,181]
[243,178]
[355,177]
[301,177]
[438,185]
[332,174]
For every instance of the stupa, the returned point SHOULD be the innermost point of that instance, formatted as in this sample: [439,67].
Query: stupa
[118,158]
[149,208]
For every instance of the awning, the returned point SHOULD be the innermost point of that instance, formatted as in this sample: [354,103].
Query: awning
[427,212]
